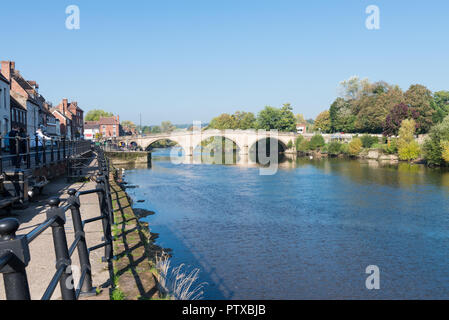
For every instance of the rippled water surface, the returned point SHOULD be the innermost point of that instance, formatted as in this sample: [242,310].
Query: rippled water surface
[308,232]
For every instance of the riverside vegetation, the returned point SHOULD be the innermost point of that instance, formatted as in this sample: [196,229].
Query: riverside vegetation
[434,151]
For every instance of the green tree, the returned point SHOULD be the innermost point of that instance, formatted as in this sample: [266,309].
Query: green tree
[323,122]
[96,114]
[282,119]
[420,99]
[341,116]
[167,126]
[440,105]
[223,121]
[316,142]
[433,151]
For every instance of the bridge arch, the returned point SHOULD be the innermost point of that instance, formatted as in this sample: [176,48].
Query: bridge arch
[283,146]
[153,141]
[217,135]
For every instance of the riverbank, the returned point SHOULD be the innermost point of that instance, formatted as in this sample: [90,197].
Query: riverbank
[129,157]
[135,273]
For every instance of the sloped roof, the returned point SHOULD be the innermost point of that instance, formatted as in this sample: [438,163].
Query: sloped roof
[108,120]
[3,78]
[15,104]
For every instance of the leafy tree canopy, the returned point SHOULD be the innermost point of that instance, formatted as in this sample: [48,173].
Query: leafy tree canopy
[96,114]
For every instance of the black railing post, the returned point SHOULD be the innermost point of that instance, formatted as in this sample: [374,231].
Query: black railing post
[105,221]
[14,273]
[28,153]
[64,151]
[36,155]
[59,149]
[1,155]
[52,155]
[17,152]
[44,153]
[83,253]
[61,250]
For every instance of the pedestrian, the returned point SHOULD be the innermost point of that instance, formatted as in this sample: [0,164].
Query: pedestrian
[23,145]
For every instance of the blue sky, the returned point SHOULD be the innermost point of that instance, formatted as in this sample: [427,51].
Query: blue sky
[192,60]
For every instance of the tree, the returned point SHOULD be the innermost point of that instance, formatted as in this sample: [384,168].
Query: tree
[420,98]
[373,107]
[323,121]
[96,114]
[167,126]
[129,124]
[223,121]
[433,151]
[316,142]
[300,119]
[353,88]
[341,117]
[394,119]
[408,148]
[155,129]
[282,119]
[440,104]
[244,120]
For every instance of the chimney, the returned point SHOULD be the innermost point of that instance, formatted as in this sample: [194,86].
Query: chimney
[65,103]
[8,69]
[118,119]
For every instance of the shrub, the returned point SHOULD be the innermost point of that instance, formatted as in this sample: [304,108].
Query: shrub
[368,141]
[325,149]
[290,144]
[433,151]
[409,151]
[303,146]
[391,147]
[334,148]
[316,142]
[445,150]
[355,146]
[344,148]
[298,141]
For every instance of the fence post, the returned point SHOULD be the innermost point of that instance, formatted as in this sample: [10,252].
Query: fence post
[52,156]
[83,253]
[61,249]
[36,155]
[105,221]
[63,148]
[28,153]
[14,273]
[1,156]
[17,152]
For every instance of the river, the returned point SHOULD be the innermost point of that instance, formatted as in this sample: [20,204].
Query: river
[307,232]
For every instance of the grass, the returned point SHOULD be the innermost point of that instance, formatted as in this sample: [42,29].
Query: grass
[177,283]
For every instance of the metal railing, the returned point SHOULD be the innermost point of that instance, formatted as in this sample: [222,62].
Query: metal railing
[15,252]
[36,152]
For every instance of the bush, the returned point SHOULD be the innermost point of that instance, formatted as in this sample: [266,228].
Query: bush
[355,146]
[344,148]
[409,151]
[334,148]
[368,141]
[445,150]
[433,151]
[298,141]
[303,146]
[316,142]
[391,147]
[325,149]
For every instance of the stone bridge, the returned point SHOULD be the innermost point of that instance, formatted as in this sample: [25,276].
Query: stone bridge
[189,140]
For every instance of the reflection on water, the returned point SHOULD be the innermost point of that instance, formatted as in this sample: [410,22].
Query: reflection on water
[307,232]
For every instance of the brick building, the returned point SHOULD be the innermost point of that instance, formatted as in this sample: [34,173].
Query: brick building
[71,119]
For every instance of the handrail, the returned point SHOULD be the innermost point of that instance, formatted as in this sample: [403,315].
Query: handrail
[15,248]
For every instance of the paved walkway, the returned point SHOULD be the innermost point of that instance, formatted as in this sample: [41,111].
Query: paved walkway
[42,266]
